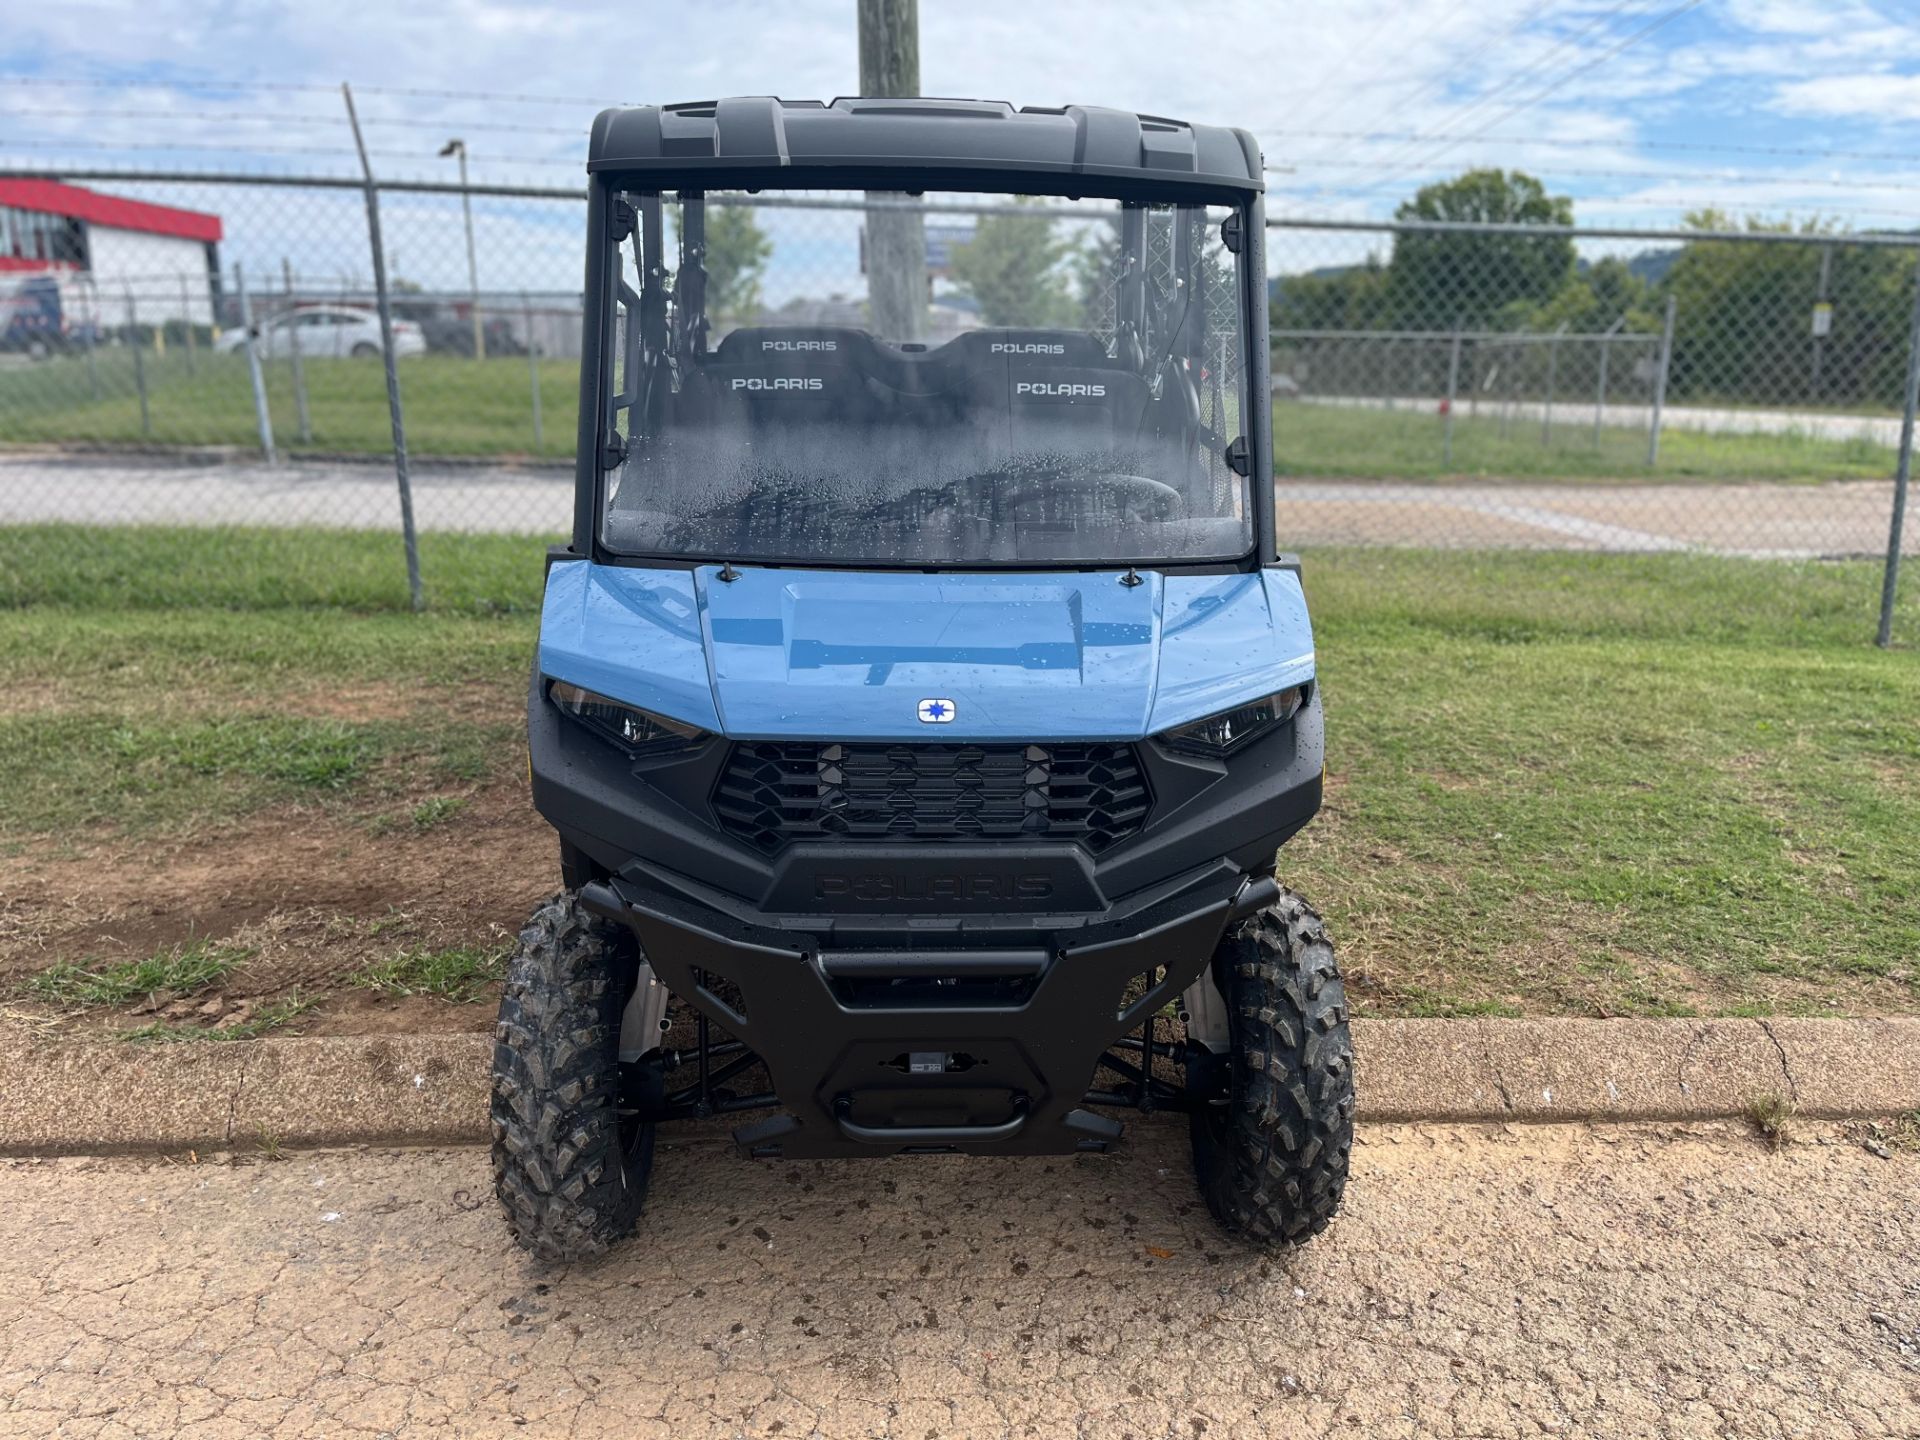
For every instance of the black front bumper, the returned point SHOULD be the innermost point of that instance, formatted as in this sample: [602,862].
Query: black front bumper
[952,995]
[973,1050]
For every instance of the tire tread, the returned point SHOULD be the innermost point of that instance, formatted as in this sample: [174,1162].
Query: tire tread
[1274,1167]
[567,1189]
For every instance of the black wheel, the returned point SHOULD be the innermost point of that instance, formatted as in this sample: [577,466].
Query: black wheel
[365,350]
[570,1170]
[1270,1145]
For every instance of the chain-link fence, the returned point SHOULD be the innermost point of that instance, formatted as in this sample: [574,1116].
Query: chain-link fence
[1642,390]
[207,351]
[1538,387]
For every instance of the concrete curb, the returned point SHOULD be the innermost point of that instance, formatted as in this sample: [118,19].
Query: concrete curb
[88,1098]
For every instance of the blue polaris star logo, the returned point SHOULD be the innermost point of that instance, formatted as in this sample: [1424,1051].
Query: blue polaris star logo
[936,712]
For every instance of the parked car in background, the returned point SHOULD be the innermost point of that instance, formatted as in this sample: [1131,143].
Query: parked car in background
[451,334]
[326,331]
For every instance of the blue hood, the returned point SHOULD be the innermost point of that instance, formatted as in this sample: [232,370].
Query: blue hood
[816,654]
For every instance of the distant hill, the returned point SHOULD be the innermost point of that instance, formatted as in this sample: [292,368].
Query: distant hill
[1323,271]
[1652,265]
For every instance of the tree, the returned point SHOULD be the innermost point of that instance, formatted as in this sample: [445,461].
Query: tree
[737,253]
[1743,313]
[1095,270]
[1593,300]
[1351,297]
[1018,268]
[1440,280]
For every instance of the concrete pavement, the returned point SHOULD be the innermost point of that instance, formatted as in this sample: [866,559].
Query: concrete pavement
[73,1097]
[1759,520]
[1753,521]
[1540,1281]
[1574,413]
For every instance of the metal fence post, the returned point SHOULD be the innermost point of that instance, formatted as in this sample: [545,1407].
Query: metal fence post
[92,325]
[1660,385]
[1453,391]
[1553,378]
[139,366]
[409,536]
[533,371]
[1902,472]
[299,370]
[186,314]
[1507,400]
[262,419]
[1606,358]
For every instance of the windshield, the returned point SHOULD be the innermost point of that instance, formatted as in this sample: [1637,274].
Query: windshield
[948,380]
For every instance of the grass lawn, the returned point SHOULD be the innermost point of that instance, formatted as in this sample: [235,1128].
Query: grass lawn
[1557,784]
[454,406]
[460,407]
[1406,444]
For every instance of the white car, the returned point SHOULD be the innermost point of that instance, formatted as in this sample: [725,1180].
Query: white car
[326,331]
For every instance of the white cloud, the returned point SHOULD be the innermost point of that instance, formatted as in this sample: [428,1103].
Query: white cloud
[1800,17]
[1438,68]
[1879,98]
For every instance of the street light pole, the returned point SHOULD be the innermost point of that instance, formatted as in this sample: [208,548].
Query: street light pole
[459,147]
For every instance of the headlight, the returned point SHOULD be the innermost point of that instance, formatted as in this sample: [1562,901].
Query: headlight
[1230,730]
[639,731]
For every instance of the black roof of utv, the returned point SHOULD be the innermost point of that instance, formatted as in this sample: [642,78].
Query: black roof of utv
[760,141]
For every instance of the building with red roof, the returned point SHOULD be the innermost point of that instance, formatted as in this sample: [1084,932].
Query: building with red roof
[109,253]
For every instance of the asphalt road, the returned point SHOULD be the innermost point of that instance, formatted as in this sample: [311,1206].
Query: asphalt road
[1843,518]
[1564,1280]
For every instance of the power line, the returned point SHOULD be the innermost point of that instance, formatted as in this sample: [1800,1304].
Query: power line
[1346,61]
[282,118]
[1738,207]
[335,151]
[1603,206]
[1704,147]
[1532,67]
[1440,82]
[287,86]
[1445,76]
[1558,83]
[69,83]
[1723,177]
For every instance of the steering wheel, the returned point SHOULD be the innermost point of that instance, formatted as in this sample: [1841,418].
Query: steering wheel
[1144,498]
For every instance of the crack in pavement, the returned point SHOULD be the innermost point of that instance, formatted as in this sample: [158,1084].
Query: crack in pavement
[247,1059]
[1786,1068]
[1489,1280]
[1700,1032]
[1493,1070]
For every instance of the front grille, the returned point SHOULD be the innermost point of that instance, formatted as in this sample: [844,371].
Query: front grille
[773,793]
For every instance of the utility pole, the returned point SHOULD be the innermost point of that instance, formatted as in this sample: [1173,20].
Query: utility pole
[459,147]
[896,240]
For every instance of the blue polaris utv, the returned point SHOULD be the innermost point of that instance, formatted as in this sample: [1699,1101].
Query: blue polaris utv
[921,700]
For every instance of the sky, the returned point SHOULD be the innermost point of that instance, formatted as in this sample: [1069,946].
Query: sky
[1640,110]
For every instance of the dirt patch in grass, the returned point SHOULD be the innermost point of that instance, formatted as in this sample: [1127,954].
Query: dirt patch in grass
[1561,784]
[359,703]
[312,898]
